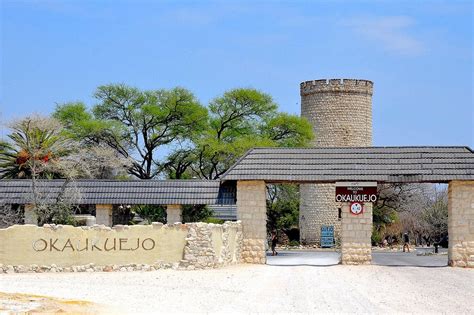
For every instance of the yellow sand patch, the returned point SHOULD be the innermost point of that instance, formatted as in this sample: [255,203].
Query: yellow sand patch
[18,303]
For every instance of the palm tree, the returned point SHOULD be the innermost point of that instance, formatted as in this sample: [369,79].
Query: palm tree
[34,143]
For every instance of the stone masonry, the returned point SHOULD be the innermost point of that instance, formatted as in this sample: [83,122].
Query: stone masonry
[341,114]
[178,246]
[30,215]
[356,232]
[200,250]
[252,212]
[174,213]
[461,223]
[103,214]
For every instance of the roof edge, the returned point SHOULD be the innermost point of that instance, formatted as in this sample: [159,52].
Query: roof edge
[222,178]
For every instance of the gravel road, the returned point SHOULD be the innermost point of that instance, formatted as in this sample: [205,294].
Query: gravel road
[262,289]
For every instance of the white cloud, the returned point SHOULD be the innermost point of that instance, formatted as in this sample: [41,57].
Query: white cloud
[391,32]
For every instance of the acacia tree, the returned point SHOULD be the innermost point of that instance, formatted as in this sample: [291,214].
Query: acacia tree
[135,123]
[238,120]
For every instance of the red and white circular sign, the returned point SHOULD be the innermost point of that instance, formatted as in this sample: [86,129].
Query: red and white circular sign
[356,208]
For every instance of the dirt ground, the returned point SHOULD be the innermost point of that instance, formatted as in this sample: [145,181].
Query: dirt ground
[258,289]
[16,303]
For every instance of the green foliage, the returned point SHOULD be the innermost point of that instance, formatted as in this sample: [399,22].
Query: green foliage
[34,142]
[196,213]
[136,123]
[294,243]
[151,213]
[288,130]
[239,120]
[213,220]
[282,206]
[377,236]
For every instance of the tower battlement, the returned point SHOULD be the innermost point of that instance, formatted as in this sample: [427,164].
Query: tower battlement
[336,85]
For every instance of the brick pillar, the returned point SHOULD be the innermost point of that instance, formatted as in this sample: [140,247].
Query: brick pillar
[461,224]
[252,211]
[30,215]
[356,247]
[174,213]
[103,214]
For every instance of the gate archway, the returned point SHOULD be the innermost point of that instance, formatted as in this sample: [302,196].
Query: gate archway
[452,165]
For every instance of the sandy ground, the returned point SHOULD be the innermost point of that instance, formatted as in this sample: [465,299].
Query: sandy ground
[262,289]
[16,303]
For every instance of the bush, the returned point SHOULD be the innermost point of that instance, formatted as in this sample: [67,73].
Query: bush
[376,237]
[150,213]
[196,213]
[214,220]
[294,243]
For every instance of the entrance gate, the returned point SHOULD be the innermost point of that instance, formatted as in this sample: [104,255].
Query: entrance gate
[452,165]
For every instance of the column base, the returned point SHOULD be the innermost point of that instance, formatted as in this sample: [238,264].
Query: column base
[462,255]
[356,254]
[253,251]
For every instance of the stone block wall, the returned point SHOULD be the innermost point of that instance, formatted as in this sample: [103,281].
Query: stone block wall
[174,213]
[103,214]
[252,212]
[340,111]
[461,224]
[320,197]
[30,215]
[356,247]
[56,248]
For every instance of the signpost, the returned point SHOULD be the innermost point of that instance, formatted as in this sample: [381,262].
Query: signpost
[357,208]
[356,192]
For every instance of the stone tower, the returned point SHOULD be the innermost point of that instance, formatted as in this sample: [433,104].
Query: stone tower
[340,111]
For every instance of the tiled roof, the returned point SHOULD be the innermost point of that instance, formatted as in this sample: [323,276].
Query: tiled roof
[382,164]
[164,192]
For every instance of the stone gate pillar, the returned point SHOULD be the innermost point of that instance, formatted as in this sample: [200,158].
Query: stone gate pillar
[461,224]
[30,215]
[252,211]
[174,213]
[356,232]
[103,214]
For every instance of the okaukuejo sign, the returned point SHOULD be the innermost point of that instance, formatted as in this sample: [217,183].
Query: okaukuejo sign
[356,192]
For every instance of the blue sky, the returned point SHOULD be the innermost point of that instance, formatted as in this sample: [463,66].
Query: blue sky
[418,53]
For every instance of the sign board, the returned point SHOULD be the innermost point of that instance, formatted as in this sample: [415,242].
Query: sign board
[356,208]
[327,236]
[356,192]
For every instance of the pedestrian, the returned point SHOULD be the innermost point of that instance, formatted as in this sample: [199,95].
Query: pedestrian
[406,242]
[274,243]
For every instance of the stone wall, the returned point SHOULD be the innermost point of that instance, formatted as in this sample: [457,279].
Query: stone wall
[356,247]
[104,214]
[252,212]
[341,114]
[317,207]
[461,224]
[174,213]
[147,247]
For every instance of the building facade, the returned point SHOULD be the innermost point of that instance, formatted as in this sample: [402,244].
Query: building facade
[340,111]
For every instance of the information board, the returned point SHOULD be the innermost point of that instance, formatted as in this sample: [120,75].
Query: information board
[327,236]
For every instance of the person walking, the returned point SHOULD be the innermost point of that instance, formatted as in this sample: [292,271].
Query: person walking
[406,242]
[274,243]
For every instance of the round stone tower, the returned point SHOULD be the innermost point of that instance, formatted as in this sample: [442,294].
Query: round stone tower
[340,111]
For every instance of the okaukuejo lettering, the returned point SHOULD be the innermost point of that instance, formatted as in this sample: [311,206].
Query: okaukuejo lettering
[356,198]
[87,244]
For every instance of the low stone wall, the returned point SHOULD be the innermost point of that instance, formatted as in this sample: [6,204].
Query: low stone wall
[53,248]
